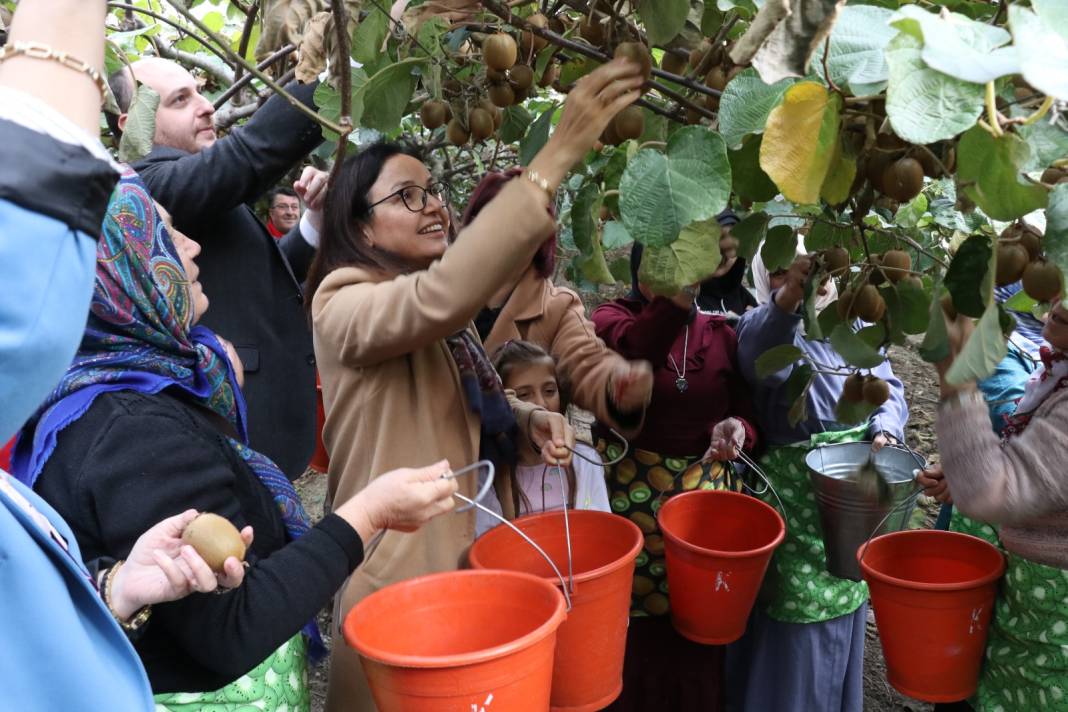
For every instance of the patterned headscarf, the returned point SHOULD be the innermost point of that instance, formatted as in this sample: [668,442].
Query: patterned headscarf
[139,337]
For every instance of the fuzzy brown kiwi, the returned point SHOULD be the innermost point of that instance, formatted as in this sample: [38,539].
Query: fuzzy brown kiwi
[501,95]
[716,78]
[610,136]
[550,75]
[456,134]
[636,52]
[480,122]
[592,32]
[215,539]
[521,77]
[869,304]
[528,38]
[836,259]
[896,264]
[875,166]
[903,179]
[693,117]
[844,307]
[494,111]
[1053,175]
[499,51]
[927,161]
[876,391]
[495,77]
[1042,281]
[853,388]
[673,63]
[1012,260]
[698,53]
[434,114]
[629,123]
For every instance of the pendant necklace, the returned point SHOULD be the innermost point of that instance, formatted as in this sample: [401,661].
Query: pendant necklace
[680,381]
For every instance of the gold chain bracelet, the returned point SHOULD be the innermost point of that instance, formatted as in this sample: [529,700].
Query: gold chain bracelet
[542,183]
[139,618]
[36,50]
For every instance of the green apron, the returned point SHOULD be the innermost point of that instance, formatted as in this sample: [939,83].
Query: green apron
[278,684]
[798,588]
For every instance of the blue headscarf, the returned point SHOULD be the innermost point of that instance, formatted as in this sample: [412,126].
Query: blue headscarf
[140,337]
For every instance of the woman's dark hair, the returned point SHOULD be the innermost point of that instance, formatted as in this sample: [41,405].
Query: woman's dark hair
[346,211]
[514,354]
[544,261]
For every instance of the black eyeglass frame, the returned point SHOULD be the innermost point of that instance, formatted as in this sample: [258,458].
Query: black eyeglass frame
[437,189]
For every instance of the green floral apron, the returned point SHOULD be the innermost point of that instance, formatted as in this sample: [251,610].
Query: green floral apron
[638,486]
[278,684]
[798,588]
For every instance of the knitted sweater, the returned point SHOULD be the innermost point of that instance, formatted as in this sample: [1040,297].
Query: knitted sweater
[1020,485]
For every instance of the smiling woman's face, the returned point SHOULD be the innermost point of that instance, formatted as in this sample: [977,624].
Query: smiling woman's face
[1056,329]
[418,238]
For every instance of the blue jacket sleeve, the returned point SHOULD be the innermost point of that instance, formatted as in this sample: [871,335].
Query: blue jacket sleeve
[892,415]
[762,329]
[1005,386]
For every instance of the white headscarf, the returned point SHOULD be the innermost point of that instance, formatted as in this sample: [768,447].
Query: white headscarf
[762,279]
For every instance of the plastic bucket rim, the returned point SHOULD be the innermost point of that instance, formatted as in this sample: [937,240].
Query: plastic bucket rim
[693,548]
[984,580]
[585,576]
[456,660]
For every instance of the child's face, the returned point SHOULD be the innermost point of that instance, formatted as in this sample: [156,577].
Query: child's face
[536,383]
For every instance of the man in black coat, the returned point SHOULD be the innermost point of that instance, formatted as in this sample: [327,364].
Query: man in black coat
[253,281]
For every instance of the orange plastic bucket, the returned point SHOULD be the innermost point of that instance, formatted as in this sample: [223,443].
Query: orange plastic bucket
[461,640]
[320,461]
[933,592]
[588,672]
[717,546]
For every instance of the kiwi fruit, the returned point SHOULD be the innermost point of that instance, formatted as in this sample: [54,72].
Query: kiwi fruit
[853,388]
[529,39]
[550,75]
[734,71]
[637,53]
[501,95]
[495,77]
[836,259]
[929,164]
[876,276]
[716,79]
[693,117]
[876,391]
[903,179]
[712,103]
[912,280]
[456,134]
[896,264]
[592,31]
[499,51]
[604,214]
[434,114]
[521,77]
[844,306]
[481,124]
[629,123]
[673,63]
[610,137]
[215,539]
[1012,259]
[875,166]
[1042,281]
[1028,238]
[890,142]
[869,305]
[698,54]
[1053,175]
[492,109]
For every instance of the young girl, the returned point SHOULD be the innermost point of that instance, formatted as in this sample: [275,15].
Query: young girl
[530,371]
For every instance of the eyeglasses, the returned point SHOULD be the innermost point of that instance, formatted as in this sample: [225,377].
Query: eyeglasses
[415,197]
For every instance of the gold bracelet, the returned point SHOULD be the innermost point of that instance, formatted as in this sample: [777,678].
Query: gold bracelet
[139,618]
[36,50]
[542,183]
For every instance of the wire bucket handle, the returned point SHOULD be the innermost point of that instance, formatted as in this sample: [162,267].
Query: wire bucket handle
[899,507]
[751,463]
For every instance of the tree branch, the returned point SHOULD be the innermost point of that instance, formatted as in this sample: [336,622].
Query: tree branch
[239,84]
[246,35]
[232,114]
[344,44]
[217,70]
[168,21]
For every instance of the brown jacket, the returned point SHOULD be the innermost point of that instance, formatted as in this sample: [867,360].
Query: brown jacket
[1019,485]
[555,319]
[392,392]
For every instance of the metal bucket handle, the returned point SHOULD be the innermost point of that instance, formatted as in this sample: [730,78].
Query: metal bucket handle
[767,482]
[605,463]
[900,506]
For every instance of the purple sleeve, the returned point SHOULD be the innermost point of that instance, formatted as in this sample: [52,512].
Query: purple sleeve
[648,334]
[762,329]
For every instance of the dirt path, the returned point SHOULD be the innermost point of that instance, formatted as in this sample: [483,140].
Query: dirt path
[921,391]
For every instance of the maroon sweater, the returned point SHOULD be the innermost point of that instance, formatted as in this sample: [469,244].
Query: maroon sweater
[680,424]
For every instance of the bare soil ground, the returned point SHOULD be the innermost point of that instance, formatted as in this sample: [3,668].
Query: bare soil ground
[921,390]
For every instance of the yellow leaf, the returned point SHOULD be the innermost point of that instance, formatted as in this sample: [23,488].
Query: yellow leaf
[840,175]
[799,141]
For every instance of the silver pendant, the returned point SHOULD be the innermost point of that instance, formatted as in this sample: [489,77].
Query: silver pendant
[682,384]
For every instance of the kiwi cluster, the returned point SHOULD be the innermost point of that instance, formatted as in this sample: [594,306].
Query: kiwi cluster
[1020,258]
[630,122]
[862,300]
[896,168]
[711,63]
[870,389]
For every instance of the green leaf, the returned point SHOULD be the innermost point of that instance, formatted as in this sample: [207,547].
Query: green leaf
[776,359]
[430,35]
[799,138]
[750,232]
[894,316]
[810,317]
[915,305]
[982,352]
[594,267]
[328,99]
[935,345]
[828,318]
[385,96]
[688,260]
[923,104]
[840,173]
[136,142]
[824,234]
[991,171]
[620,269]
[965,275]
[797,386]
[660,194]
[1047,142]
[370,34]
[850,413]
[663,19]
[1043,50]
[780,247]
[616,236]
[1020,302]
[959,46]
[745,105]
[536,137]
[214,21]
[583,217]
[856,58]
[576,68]
[1055,242]
[854,349]
[1054,14]
[515,123]
[750,181]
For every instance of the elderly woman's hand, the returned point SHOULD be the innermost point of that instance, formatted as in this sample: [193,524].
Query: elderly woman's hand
[728,438]
[631,385]
[403,499]
[933,481]
[594,101]
[792,292]
[553,436]
[161,568]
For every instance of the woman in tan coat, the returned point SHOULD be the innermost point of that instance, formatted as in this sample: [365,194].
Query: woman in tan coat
[405,379]
[531,308]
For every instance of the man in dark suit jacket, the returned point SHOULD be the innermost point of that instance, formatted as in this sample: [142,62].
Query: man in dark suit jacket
[253,281]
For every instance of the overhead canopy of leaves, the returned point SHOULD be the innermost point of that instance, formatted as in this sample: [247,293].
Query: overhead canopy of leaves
[855,350]
[991,173]
[776,359]
[959,46]
[799,141]
[779,248]
[663,19]
[964,277]
[745,105]
[1041,42]
[1055,241]
[750,180]
[750,232]
[688,260]
[661,193]
[856,58]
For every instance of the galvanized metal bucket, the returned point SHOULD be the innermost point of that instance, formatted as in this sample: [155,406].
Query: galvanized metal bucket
[848,515]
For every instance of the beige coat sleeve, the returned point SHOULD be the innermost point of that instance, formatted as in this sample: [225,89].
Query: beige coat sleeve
[369,322]
[1006,484]
[587,364]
